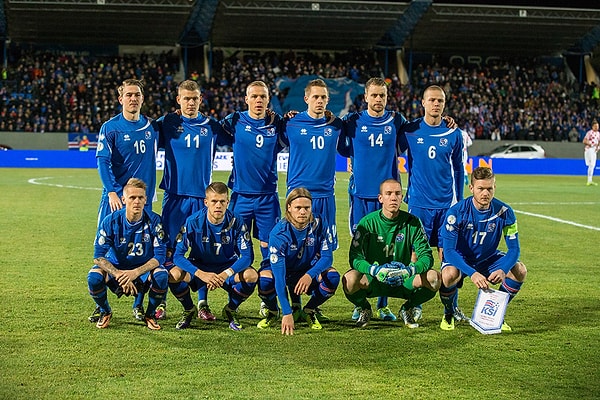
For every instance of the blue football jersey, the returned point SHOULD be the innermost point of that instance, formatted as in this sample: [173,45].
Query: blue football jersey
[189,145]
[435,168]
[127,150]
[312,144]
[128,245]
[295,252]
[471,236]
[372,143]
[213,248]
[256,143]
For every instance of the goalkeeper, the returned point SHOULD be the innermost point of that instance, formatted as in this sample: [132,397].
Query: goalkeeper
[380,258]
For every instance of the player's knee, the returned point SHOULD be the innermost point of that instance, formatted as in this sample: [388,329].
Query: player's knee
[95,279]
[250,275]
[450,275]
[160,279]
[351,281]
[176,275]
[331,279]
[519,271]
[434,279]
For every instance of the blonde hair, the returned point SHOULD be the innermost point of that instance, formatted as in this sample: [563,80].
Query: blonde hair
[315,83]
[130,82]
[293,195]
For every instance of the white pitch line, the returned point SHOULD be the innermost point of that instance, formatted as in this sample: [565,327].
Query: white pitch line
[34,181]
[562,221]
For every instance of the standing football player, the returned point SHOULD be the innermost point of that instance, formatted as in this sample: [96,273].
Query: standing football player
[126,148]
[129,252]
[255,138]
[300,262]
[189,139]
[381,257]
[370,139]
[435,174]
[592,143]
[472,231]
[220,256]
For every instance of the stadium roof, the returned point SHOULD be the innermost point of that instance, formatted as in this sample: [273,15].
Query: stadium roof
[443,27]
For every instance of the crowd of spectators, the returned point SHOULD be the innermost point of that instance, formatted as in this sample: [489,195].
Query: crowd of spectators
[518,99]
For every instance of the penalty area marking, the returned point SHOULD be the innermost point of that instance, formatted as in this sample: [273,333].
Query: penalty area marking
[562,221]
[36,181]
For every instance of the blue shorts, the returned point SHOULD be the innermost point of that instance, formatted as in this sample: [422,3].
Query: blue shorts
[259,211]
[325,208]
[432,220]
[485,267]
[175,210]
[359,207]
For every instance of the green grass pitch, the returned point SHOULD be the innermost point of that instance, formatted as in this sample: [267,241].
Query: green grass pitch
[50,351]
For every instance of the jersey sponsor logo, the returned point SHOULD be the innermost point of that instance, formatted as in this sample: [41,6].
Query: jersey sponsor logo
[293,247]
[363,128]
[469,226]
[272,249]
[180,129]
[324,245]
[205,239]
[243,245]
[303,131]
[273,258]
[122,240]
[327,131]
[400,237]
[420,140]
[379,239]
[126,137]
[248,128]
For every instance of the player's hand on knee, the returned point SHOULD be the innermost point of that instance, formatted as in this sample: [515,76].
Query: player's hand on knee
[497,276]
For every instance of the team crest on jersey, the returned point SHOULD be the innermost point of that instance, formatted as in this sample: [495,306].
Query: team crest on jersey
[328,131]
[203,132]
[271,131]
[126,137]
[400,237]
[443,142]
[387,130]
[363,128]
[310,241]
[148,135]
[225,239]
[146,238]
[420,140]
[303,131]
[491,227]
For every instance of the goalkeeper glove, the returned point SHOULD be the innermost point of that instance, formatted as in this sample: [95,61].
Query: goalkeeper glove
[382,272]
[408,270]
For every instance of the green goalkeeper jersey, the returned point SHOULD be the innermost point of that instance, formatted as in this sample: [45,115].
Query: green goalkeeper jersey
[378,239]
